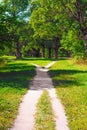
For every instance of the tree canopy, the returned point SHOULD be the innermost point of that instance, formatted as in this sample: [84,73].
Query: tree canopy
[44,27]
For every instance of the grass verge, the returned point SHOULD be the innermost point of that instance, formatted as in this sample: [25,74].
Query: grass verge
[14,82]
[44,115]
[70,81]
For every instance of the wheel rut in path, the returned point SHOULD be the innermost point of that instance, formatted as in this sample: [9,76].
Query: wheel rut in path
[25,119]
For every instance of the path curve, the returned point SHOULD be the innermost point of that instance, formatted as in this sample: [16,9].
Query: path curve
[25,119]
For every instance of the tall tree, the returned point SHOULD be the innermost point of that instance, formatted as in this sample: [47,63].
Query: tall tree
[16,12]
[46,20]
[77,10]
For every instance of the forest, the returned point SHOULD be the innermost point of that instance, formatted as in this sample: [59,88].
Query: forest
[43,28]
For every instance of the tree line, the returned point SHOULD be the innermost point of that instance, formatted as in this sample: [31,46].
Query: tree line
[43,28]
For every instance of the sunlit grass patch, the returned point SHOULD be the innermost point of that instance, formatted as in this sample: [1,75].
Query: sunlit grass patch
[39,61]
[42,62]
[70,81]
[44,115]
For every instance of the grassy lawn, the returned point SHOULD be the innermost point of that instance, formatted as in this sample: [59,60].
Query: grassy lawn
[44,114]
[70,81]
[14,82]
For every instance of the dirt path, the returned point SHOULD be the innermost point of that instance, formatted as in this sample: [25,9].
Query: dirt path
[25,119]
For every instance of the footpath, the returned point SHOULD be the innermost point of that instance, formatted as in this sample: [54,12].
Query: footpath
[25,119]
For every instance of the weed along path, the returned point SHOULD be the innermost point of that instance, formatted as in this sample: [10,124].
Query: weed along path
[25,119]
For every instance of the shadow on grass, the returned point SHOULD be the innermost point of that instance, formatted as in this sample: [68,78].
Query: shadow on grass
[16,76]
[65,78]
[32,59]
[41,58]
[16,67]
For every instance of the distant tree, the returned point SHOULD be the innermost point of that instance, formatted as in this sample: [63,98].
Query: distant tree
[46,20]
[72,43]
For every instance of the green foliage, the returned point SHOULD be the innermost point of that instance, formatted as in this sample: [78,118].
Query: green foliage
[45,20]
[13,24]
[71,42]
[48,21]
[67,20]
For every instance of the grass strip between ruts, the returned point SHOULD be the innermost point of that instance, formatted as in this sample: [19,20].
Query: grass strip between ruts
[44,115]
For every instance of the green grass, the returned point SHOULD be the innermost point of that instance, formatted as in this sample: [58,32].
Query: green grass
[40,61]
[12,62]
[15,76]
[14,82]
[44,114]
[70,81]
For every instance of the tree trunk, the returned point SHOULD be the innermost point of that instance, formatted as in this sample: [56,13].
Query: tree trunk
[18,53]
[43,50]
[85,39]
[38,53]
[56,47]
[49,52]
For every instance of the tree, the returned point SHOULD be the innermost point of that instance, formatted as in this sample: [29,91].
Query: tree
[77,10]
[47,21]
[4,35]
[15,12]
[52,24]
[72,43]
